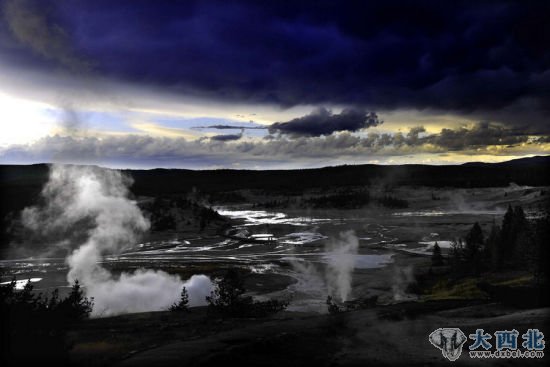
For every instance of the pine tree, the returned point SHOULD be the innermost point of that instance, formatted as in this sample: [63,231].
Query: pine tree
[474,241]
[493,248]
[507,235]
[513,242]
[76,306]
[437,258]
[542,250]
[228,292]
[183,304]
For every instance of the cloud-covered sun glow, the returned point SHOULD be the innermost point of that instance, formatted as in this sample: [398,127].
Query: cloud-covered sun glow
[23,122]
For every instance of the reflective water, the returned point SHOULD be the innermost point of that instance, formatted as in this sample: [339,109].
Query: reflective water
[381,237]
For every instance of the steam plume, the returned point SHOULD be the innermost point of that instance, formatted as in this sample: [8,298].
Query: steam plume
[95,200]
[341,263]
[402,278]
[336,279]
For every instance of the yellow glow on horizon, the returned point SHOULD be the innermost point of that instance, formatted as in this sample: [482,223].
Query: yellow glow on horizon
[167,132]
[263,115]
[432,121]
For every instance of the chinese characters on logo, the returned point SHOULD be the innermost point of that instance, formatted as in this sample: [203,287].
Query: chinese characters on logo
[451,340]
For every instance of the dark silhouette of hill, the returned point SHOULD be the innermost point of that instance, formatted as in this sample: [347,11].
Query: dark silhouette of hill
[20,185]
[526,171]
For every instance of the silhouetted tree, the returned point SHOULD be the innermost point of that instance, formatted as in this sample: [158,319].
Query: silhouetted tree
[228,291]
[437,258]
[492,250]
[41,322]
[228,299]
[456,249]
[474,241]
[542,250]
[514,229]
[183,303]
[76,306]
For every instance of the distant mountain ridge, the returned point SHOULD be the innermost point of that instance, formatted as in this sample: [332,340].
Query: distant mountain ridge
[20,185]
[532,171]
[519,161]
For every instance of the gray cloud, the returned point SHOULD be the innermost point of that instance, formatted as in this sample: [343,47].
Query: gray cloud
[29,24]
[228,137]
[147,151]
[228,127]
[482,134]
[323,122]
[71,120]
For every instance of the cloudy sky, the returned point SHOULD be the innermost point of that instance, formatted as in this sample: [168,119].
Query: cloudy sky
[258,84]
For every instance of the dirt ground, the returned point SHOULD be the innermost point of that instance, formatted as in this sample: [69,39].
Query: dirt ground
[384,335]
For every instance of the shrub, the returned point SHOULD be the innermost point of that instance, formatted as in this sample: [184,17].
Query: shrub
[183,303]
[39,321]
[76,306]
[437,258]
[228,299]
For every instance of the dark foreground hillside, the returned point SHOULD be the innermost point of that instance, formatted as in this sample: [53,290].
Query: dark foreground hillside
[386,335]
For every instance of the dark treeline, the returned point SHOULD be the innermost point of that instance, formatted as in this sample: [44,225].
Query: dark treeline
[392,202]
[341,200]
[36,324]
[534,172]
[527,171]
[20,186]
[228,299]
[353,200]
[507,264]
[177,213]
[349,198]
[516,244]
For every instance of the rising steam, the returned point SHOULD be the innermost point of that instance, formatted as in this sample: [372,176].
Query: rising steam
[341,263]
[96,200]
[402,278]
[336,278]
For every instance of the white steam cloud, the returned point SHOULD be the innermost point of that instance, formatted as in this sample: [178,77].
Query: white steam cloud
[341,256]
[336,279]
[402,278]
[146,290]
[97,199]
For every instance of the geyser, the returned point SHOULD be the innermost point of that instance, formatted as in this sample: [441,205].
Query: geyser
[341,262]
[96,201]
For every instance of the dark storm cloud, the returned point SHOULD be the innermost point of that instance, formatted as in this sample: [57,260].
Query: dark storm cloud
[29,23]
[323,122]
[227,137]
[228,127]
[460,56]
[481,135]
